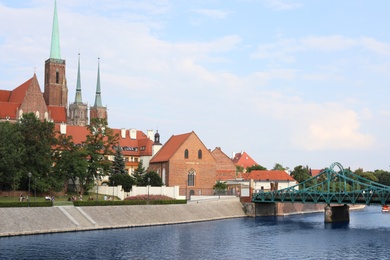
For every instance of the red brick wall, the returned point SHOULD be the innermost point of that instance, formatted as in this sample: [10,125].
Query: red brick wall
[56,94]
[226,170]
[33,101]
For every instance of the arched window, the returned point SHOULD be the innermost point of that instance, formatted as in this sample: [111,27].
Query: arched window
[200,154]
[57,77]
[191,178]
[186,154]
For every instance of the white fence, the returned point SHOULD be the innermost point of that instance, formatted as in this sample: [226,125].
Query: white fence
[117,191]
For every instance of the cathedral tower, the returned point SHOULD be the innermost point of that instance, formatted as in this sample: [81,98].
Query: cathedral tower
[97,110]
[56,91]
[78,114]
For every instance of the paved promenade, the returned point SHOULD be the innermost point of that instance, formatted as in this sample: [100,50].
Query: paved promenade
[25,221]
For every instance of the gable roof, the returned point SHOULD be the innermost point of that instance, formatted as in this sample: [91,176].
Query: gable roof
[57,114]
[265,175]
[170,147]
[244,160]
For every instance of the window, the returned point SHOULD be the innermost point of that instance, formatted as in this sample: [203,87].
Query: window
[200,154]
[191,178]
[186,154]
[57,77]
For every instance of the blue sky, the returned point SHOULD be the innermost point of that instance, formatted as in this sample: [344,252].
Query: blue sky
[295,82]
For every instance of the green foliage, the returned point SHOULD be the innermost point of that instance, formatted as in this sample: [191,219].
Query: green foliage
[279,167]
[239,169]
[151,178]
[98,146]
[38,140]
[255,167]
[220,186]
[126,181]
[12,152]
[70,161]
[25,204]
[118,165]
[138,174]
[300,174]
[383,177]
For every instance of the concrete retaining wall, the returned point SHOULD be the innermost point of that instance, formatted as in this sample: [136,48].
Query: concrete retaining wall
[24,221]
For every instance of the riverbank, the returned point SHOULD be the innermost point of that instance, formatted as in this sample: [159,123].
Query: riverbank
[29,221]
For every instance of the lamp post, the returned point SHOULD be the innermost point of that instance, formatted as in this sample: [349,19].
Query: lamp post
[28,196]
[35,188]
[113,187]
[97,185]
[148,188]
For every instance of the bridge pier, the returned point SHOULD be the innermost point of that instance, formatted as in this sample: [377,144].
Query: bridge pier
[334,214]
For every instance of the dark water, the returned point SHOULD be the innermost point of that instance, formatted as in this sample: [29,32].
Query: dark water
[293,237]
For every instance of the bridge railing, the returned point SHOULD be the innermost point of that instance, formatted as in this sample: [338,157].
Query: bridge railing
[330,186]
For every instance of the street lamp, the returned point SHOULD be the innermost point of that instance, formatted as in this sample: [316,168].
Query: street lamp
[113,187]
[28,196]
[148,187]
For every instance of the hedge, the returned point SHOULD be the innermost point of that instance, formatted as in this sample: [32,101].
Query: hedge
[25,204]
[83,203]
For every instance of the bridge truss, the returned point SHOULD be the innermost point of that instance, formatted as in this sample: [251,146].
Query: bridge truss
[334,185]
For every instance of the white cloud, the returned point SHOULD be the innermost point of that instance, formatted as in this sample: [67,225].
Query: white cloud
[213,13]
[283,4]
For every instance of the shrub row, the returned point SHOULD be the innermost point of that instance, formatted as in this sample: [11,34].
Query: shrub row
[25,204]
[79,203]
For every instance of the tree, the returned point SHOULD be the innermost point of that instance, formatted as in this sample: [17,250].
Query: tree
[300,174]
[70,162]
[138,174]
[220,187]
[98,146]
[255,167]
[279,167]
[151,178]
[118,165]
[383,177]
[125,180]
[38,140]
[12,152]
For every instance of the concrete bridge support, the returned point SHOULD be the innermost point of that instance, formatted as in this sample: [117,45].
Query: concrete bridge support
[265,209]
[334,214]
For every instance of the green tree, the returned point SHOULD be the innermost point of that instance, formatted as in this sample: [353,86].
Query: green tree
[383,177]
[220,187]
[300,173]
[98,146]
[12,152]
[70,161]
[39,140]
[118,165]
[138,174]
[125,180]
[279,167]
[255,167]
[151,178]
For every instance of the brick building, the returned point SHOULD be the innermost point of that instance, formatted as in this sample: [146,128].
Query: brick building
[185,161]
[52,104]
[243,160]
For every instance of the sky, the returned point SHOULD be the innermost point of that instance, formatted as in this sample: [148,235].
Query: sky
[294,82]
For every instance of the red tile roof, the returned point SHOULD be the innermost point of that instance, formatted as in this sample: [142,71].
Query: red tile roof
[79,134]
[19,93]
[58,114]
[265,175]
[243,159]
[170,147]
[315,172]
[8,109]
[4,95]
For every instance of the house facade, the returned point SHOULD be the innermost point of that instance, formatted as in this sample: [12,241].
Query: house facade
[185,161]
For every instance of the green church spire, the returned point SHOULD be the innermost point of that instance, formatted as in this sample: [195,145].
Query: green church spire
[98,98]
[78,98]
[55,36]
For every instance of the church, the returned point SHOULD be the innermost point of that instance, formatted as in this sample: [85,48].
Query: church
[52,104]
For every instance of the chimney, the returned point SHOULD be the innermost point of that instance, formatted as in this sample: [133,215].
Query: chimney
[63,128]
[150,134]
[123,133]
[133,133]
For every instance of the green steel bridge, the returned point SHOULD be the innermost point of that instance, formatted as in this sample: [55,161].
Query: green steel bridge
[334,185]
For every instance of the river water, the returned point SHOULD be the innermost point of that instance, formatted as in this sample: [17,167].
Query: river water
[304,236]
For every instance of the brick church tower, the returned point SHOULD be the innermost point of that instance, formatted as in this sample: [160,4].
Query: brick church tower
[97,110]
[56,91]
[78,111]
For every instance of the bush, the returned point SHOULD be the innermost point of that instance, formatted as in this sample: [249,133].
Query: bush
[25,204]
